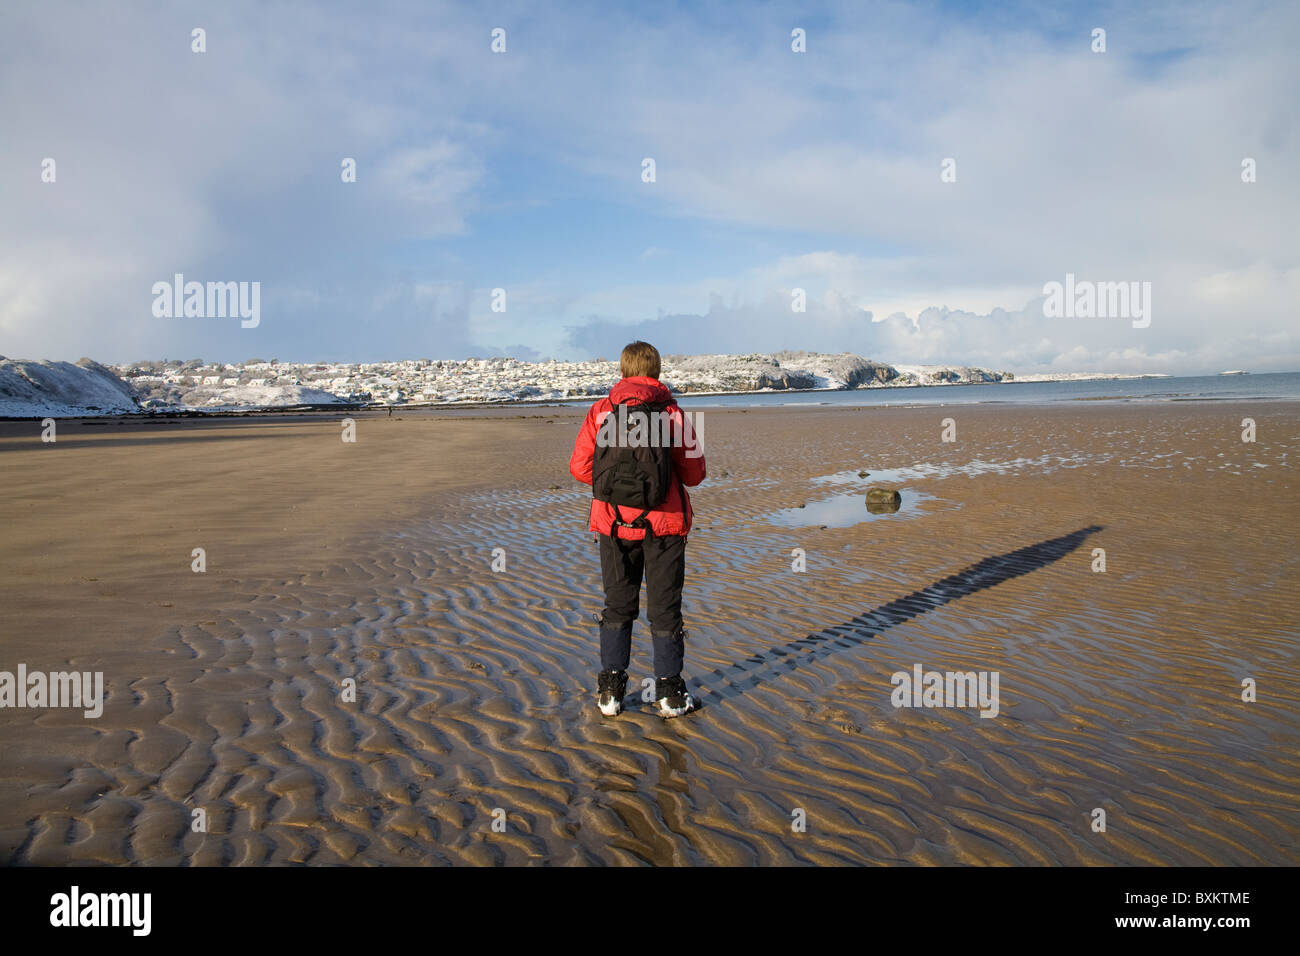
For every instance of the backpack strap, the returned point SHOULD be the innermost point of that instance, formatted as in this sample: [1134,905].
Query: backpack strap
[638,522]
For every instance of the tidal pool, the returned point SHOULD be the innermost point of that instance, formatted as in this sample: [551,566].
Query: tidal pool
[843,511]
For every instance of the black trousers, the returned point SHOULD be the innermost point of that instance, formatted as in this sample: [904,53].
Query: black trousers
[661,561]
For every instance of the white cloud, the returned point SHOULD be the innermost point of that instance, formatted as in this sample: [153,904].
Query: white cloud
[1119,166]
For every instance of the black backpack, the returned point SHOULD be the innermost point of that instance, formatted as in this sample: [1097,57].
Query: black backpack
[625,471]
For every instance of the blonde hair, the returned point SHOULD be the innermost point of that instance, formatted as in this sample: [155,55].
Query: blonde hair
[639,359]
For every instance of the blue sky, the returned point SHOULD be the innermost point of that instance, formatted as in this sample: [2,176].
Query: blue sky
[775,170]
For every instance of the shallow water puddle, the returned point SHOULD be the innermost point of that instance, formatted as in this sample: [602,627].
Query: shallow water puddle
[894,476]
[843,511]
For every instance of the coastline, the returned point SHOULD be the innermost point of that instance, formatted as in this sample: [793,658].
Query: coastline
[876,389]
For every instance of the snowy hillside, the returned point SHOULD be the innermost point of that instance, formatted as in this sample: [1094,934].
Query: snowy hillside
[37,389]
[61,389]
[219,397]
[193,384]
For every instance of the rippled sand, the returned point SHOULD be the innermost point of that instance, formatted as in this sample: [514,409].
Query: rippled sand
[1119,690]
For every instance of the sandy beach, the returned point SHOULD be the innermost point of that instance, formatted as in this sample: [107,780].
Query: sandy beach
[1119,690]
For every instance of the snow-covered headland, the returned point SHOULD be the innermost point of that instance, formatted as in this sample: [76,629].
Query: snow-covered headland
[35,389]
[62,389]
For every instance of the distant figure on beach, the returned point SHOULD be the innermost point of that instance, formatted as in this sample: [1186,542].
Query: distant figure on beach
[639,451]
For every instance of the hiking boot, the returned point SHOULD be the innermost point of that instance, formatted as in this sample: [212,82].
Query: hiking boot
[610,688]
[671,696]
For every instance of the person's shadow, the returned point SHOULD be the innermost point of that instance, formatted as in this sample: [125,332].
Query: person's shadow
[743,676]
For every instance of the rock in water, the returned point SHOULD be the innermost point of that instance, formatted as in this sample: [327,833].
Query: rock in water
[883,501]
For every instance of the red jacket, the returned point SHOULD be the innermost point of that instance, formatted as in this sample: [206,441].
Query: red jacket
[674,515]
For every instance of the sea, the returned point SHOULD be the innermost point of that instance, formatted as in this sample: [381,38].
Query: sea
[1271,386]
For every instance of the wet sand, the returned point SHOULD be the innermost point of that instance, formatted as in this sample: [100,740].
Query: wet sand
[1118,690]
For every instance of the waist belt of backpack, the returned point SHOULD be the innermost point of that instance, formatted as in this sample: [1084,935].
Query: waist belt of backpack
[637,522]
